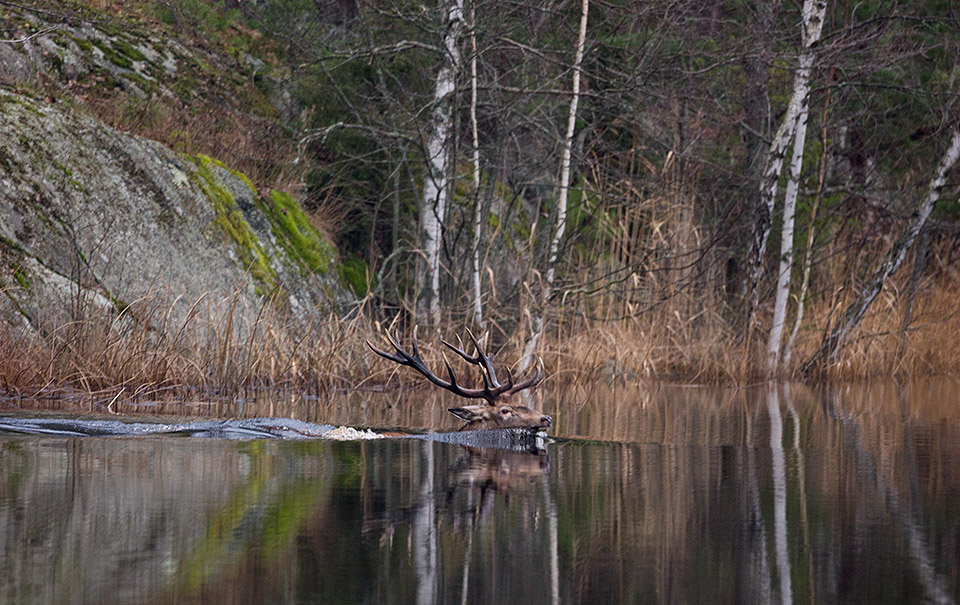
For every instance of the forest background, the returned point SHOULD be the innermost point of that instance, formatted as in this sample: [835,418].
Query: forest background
[702,190]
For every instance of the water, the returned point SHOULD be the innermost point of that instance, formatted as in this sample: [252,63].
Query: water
[671,494]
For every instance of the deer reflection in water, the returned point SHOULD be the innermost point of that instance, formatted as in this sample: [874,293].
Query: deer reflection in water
[469,499]
[476,478]
[486,471]
[471,483]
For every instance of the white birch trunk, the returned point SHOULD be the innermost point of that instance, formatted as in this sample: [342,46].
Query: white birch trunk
[789,215]
[804,283]
[564,188]
[435,190]
[475,276]
[852,315]
[808,252]
[813,13]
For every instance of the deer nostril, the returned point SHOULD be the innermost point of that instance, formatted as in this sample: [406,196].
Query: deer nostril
[546,420]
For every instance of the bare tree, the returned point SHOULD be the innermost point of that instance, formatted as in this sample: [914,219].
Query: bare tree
[813,13]
[834,341]
[477,214]
[433,205]
[564,187]
[808,250]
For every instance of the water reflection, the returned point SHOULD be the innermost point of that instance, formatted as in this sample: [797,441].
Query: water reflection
[758,495]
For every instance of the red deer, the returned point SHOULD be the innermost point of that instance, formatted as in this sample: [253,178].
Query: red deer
[498,411]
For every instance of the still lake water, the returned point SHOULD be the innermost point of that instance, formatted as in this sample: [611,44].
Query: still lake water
[666,494]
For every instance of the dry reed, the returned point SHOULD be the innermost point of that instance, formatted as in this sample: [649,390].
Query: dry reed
[218,349]
[221,349]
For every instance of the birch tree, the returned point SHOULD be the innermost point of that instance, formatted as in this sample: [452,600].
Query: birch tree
[564,187]
[438,164]
[812,26]
[808,250]
[813,13]
[786,243]
[834,341]
[475,270]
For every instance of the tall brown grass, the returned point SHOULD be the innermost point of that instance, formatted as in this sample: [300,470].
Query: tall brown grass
[222,349]
[883,345]
[664,343]
[217,350]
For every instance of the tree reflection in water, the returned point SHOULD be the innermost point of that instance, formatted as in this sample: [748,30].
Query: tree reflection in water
[735,496]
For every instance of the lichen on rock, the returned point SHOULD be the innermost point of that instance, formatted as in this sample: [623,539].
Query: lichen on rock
[122,218]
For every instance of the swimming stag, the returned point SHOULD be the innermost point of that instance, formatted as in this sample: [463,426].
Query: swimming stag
[498,410]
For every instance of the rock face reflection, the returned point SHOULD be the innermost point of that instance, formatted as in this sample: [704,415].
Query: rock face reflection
[766,495]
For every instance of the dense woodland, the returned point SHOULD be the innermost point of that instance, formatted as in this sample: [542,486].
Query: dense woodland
[570,164]
[705,189]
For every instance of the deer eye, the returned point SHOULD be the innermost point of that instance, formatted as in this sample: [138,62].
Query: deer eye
[505,411]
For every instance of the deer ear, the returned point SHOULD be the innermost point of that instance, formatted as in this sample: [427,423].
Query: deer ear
[465,413]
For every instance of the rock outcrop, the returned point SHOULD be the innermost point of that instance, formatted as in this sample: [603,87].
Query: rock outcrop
[91,214]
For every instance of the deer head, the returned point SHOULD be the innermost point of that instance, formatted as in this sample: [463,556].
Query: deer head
[498,410]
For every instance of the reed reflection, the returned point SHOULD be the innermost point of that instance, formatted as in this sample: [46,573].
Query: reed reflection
[775,495]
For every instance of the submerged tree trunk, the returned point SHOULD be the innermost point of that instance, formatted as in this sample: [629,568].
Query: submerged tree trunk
[832,343]
[435,187]
[564,188]
[813,13]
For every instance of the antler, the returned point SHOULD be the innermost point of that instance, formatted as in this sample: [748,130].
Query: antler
[492,389]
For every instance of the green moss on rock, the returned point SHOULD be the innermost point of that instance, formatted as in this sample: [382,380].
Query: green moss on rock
[353,273]
[112,55]
[21,102]
[231,220]
[84,44]
[128,50]
[298,237]
[13,245]
[21,276]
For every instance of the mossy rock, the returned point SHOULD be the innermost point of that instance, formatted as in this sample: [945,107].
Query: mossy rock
[354,273]
[230,218]
[301,241]
[128,50]
[20,275]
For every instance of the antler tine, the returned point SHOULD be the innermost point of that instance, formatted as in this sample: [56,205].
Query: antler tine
[382,353]
[453,377]
[536,375]
[416,350]
[394,341]
[476,343]
[486,361]
[509,384]
[480,359]
[459,351]
[415,361]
